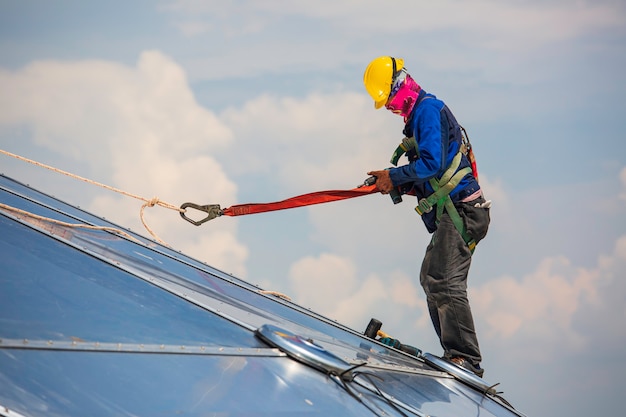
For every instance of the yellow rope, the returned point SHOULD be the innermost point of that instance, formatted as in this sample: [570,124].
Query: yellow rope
[147,203]
[276,293]
[59,222]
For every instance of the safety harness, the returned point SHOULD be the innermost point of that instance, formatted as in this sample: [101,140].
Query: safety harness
[440,198]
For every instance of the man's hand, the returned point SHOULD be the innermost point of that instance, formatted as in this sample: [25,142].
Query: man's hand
[383,181]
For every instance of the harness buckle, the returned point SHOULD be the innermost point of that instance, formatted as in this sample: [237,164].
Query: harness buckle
[423,206]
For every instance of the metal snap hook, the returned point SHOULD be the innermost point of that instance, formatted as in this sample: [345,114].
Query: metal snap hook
[212,210]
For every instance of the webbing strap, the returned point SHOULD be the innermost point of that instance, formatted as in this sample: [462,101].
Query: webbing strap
[441,193]
[443,187]
[458,224]
[441,198]
[318,197]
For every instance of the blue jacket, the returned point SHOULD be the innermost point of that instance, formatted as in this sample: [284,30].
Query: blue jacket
[438,138]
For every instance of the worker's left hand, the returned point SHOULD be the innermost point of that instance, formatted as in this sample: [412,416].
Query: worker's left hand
[383,181]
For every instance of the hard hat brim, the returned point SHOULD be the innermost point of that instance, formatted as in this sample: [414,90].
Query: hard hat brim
[379,104]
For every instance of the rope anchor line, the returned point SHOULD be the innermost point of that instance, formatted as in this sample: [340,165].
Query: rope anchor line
[147,202]
[214,210]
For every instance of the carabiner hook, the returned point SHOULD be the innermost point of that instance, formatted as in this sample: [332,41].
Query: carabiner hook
[213,211]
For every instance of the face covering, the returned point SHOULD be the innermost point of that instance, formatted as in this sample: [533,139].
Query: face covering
[403,96]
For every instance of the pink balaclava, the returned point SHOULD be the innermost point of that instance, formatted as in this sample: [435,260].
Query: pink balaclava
[403,95]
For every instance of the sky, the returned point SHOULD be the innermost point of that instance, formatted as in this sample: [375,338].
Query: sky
[232,102]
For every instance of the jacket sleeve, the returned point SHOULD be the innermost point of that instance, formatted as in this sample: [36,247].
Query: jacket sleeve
[431,162]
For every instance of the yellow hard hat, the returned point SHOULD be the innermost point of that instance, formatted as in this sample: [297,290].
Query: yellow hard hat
[378,78]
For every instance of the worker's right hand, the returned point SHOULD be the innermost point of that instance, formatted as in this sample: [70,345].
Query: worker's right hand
[394,343]
[383,181]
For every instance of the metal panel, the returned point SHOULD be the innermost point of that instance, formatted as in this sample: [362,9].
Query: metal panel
[92,323]
[53,383]
[52,291]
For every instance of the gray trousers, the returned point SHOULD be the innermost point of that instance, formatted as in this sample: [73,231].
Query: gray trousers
[444,279]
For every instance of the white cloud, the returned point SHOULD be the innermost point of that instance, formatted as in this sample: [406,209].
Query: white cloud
[507,26]
[138,129]
[193,28]
[313,280]
[622,178]
[320,141]
[544,307]
[333,285]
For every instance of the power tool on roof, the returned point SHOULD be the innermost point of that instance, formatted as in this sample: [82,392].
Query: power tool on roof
[373,330]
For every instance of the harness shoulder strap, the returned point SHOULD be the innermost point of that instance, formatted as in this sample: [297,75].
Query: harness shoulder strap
[444,186]
[441,198]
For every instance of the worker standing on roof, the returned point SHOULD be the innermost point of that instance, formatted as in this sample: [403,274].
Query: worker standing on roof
[456,213]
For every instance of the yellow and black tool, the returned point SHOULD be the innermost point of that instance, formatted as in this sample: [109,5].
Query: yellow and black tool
[373,330]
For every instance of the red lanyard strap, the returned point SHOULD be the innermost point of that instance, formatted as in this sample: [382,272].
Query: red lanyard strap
[319,197]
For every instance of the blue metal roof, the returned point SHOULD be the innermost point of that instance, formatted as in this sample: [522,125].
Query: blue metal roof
[95,323]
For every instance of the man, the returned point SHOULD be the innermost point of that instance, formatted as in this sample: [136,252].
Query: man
[450,201]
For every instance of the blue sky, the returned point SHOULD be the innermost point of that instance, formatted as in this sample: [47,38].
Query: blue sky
[235,102]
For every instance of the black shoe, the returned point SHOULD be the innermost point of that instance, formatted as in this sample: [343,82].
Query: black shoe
[465,364]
